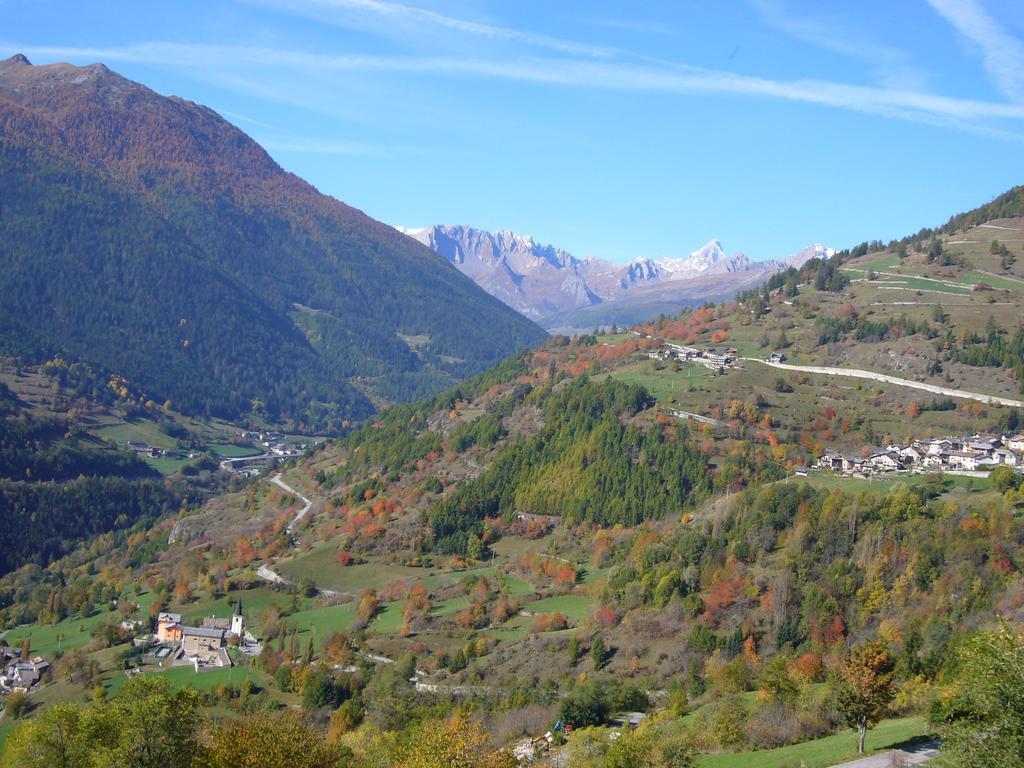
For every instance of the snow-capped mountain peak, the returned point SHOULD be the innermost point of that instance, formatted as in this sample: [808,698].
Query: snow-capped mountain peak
[708,259]
[801,257]
[638,271]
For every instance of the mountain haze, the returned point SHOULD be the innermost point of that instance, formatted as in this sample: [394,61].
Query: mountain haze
[565,293]
[149,237]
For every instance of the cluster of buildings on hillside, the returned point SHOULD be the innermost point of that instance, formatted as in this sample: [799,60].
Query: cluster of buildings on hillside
[203,646]
[155,452]
[276,448]
[977,453]
[18,675]
[716,359]
[274,443]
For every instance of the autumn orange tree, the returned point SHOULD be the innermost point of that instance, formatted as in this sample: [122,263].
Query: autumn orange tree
[367,607]
[867,687]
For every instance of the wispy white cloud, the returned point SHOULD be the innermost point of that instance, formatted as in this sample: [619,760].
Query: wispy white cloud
[641,26]
[328,147]
[242,118]
[1002,53]
[398,12]
[892,66]
[199,59]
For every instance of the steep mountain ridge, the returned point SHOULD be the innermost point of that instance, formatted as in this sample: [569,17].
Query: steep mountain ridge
[549,284]
[303,305]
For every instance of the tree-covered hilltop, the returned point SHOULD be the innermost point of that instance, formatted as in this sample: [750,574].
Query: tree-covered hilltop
[587,464]
[151,239]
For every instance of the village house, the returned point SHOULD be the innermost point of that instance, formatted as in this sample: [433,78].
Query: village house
[681,352]
[829,460]
[212,622]
[854,464]
[963,460]
[982,446]
[939,447]
[886,461]
[168,627]
[1006,457]
[913,454]
[1015,443]
[777,357]
[20,676]
[712,358]
[205,646]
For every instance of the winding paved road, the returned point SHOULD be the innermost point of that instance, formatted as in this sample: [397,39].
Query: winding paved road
[276,480]
[860,374]
[267,573]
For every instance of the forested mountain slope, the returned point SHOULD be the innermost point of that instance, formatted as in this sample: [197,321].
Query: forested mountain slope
[148,236]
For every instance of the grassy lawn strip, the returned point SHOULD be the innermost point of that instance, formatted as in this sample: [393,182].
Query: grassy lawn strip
[229,451]
[389,620]
[141,430]
[821,753]
[575,607]
[884,484]
[166,465]
[205,680]
[5,730]
[324,620]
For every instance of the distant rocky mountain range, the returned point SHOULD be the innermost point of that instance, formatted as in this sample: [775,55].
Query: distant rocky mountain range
[563,293]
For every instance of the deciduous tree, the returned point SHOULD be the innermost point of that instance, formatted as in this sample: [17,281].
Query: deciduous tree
[867,687]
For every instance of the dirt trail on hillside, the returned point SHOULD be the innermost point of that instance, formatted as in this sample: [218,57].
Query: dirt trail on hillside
[860,374]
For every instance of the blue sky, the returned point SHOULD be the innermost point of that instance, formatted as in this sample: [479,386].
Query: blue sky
[608,128]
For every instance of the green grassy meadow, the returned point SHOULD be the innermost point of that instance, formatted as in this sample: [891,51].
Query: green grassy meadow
[666,384]
[321,565]
[575,607]
[821,753]
[323,620]
[141,430]
[229,451]
[6,724]
[883,484]
[73,632]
